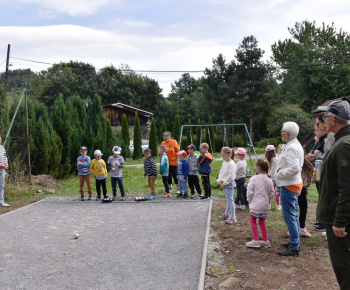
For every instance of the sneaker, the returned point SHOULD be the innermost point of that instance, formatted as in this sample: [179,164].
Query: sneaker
[193,196]
[122,198]
[265,244]
[253,244]
[186,196]
[4,204]
[204,197]
[98,197]
[113,198]
[305,232]
[89,198]
[178,191]
[82,198]
[151,197]
[320,228]
[289,252]
[200,195]
[165,195]
[180,195]
[171,189]
[278,207]
[231,220]
[242,207]
[224,217]
[324,234]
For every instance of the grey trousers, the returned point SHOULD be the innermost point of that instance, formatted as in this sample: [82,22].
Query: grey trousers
[2,185]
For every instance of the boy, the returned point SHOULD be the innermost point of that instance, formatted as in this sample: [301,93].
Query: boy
[182,173]
[83,164]
[205,168]
[151,171]
[115,164]
[164,169]
[99,170]
[193,180]
[3,167]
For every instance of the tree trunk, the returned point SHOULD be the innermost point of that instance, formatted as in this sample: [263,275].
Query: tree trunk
[251,126]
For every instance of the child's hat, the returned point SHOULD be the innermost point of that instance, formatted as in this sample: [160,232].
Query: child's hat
[98,153]
[241,151]
[116,150]
[270,148]
[182,153]
[82,148]
[191,147]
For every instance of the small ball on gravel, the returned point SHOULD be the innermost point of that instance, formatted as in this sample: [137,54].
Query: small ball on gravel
[76,236]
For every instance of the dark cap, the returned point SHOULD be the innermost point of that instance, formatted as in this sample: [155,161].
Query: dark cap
[339,109]
[191,147]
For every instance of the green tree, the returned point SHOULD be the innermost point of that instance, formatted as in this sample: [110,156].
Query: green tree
[198,134]
[125,138]
[137,138]
[111,138]
[176,128]
[153,140]
[162,129]
[210,136]
[189,132]
[4,121]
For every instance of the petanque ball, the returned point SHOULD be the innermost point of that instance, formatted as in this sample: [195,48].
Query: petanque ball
[76,236]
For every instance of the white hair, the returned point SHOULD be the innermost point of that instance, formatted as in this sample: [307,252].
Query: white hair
[292,128]
[167,134]
[340,120]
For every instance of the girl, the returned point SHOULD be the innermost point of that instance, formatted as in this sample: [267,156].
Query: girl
[271,161]
[240,178]
[226,181]
[260,192]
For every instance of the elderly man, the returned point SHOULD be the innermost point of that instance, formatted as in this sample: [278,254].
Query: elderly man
[333,208]
[288,179]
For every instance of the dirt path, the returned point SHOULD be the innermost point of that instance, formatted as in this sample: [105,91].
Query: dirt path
[230,265]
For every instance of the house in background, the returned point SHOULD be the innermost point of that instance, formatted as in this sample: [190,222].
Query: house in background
[115,113]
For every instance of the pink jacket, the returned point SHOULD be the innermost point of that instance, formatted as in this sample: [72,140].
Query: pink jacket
[260,192]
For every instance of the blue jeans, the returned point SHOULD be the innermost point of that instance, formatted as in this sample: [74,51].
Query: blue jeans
[2,185]
[230,206]
[289,202]
[241,197]
[114,181]
[183,187]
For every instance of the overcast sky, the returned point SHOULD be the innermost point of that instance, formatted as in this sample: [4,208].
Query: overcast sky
[151,35]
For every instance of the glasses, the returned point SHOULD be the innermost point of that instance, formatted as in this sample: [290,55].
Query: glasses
[283,131]
[324,117]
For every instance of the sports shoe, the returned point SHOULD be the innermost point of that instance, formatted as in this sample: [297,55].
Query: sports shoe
[278,207]
[178,191]
[231,220]
[98,197]
[324,234]
[113,198]
[122,198]
[151,197]
[253,244]
[204,197]
[305,232]
[4,204]
[186,196]
[242,207]
[82,198]
[224,217]
[320,228]
[89,198]
[166,195]
[192,196]
[289,252]
[180,195]
[171,189]
[265,244]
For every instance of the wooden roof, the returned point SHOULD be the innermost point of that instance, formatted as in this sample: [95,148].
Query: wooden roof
[130,109]
[316,111]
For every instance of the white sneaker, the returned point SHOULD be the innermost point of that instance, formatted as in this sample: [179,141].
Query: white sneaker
[304,232]
[171,189]
[278,207]
[178,191]
[265,244]
[253,244]
[4,204]
[324,234]
[242,207]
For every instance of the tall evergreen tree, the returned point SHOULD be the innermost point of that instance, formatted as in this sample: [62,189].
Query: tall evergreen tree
[177,128]
[198,134]
[189,132]
[111,139]
[4,121]
[211,134]
[125,143]
[137,138]
[153,140]
[162,130]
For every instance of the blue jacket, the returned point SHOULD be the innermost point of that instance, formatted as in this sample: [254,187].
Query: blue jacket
[83,169]
[164,165]
[182,170]
[204,164]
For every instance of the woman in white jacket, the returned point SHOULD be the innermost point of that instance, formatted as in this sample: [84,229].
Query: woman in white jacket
[226,181]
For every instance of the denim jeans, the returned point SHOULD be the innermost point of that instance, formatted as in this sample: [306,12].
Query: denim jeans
[240,192]
[114,181]
[289,201]
[230,206]
[2,185]
[183,187]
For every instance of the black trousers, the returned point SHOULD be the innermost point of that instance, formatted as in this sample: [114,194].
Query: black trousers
[100,183]
[172,175]
[193,182]
[206,185]
[165,182]
[302,202]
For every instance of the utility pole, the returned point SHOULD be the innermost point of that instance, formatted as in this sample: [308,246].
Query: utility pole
[7,67]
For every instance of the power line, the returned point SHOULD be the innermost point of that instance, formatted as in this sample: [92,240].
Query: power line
[2,62]
[32,60]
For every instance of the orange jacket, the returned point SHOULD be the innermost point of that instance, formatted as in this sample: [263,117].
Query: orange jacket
[171,148]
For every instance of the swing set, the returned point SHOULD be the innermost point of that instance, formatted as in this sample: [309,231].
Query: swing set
[251,149]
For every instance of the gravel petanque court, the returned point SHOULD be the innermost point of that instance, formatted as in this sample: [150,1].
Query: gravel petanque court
[122,245]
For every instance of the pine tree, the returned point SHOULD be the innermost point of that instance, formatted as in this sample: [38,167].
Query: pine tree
[125,143]
[4,121]
[198,134]
[162,130]
[137,138]
[189,132]
[111,139]
[210,135]
[177,128]
[153,142]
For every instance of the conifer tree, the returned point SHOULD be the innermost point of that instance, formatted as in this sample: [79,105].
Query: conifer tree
[137,138]
[4,121]
[153,142]
[111,139]
[198,134]
[189,132]
[176,128]
[210,136]
[162,130]
[125,143]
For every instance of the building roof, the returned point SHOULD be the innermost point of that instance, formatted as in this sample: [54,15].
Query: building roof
[316,111]
[131,109]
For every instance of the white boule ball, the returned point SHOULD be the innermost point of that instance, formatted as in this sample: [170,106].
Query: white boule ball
[76,236]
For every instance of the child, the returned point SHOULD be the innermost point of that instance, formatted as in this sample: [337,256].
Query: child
[240,178]
[116,164]
[151,171]
[271,161]
[226,181]
[260,192]
[193,180]
[99,170]
[205,169]
[83,164]
[3,167]
[164,170]
[182,173]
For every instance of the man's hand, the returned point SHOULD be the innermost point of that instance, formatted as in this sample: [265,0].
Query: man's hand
[310,157]
[339,232]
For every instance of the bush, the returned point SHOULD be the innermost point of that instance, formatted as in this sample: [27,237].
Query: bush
[262,143]
[137,138]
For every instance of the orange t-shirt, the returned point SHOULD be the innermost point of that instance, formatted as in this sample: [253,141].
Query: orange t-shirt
[171,148]
[295,187]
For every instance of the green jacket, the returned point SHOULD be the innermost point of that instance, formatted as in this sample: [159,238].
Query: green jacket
[334,201]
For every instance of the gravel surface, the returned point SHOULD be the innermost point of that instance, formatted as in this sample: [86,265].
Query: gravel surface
[122,245]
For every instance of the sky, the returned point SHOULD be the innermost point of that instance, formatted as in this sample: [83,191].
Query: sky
[158,35]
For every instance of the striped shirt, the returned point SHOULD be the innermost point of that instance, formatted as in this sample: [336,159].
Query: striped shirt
[2,156]
[150,167]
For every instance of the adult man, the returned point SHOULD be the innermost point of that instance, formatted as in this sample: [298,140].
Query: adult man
[333,208]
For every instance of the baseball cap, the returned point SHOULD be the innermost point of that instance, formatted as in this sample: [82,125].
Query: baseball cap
[182,153]
[98,153]
[340,109]
[116,149]
[241,151]
[270,148]
[191,147]
[83,148]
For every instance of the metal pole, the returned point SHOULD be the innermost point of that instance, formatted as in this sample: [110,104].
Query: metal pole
[28,140]
[181,136]
[7,68]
